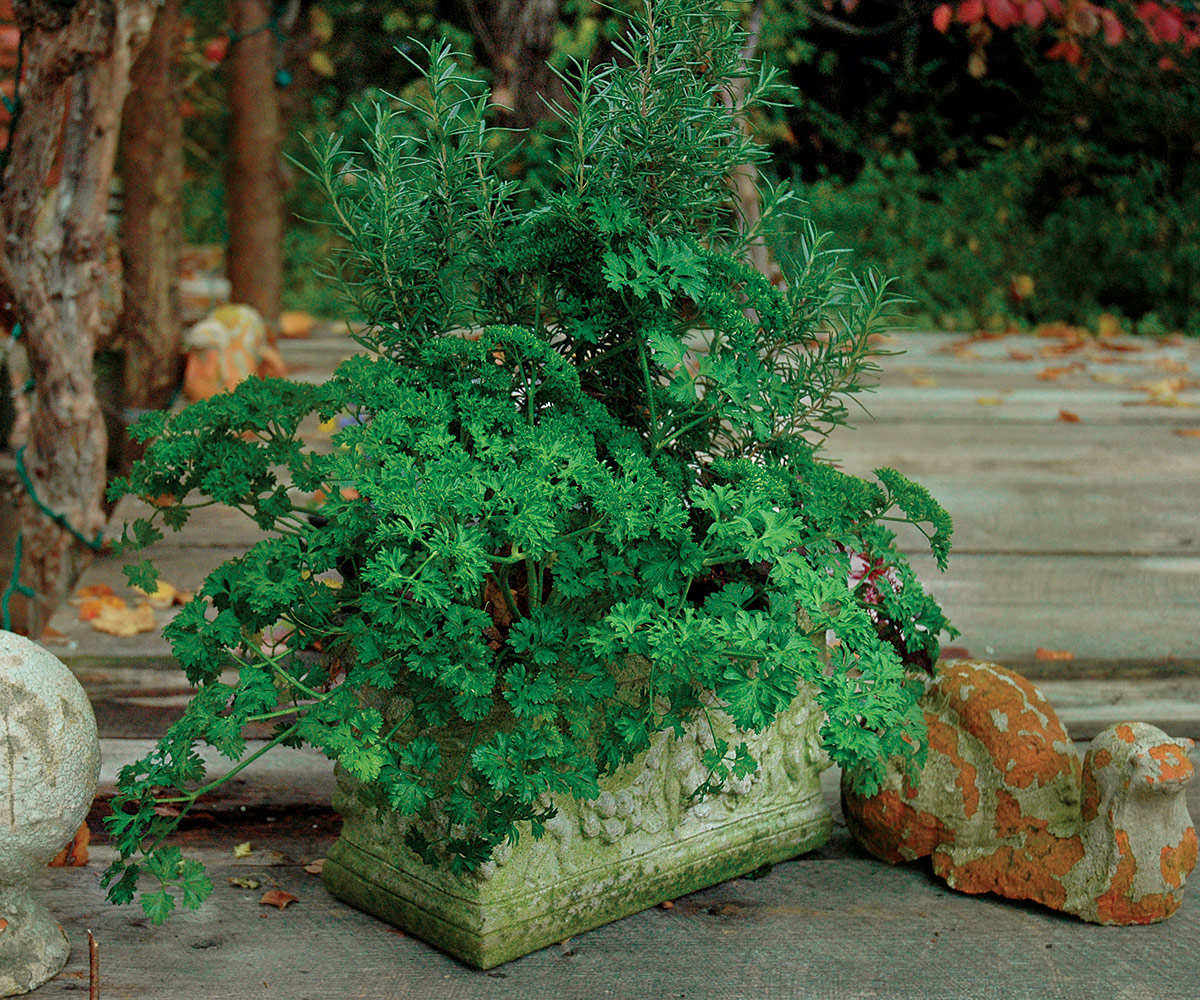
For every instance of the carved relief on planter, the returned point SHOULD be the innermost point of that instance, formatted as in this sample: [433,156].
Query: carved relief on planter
[1003,805]
[643,840]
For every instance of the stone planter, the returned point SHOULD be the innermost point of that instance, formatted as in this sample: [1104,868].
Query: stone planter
[641,842]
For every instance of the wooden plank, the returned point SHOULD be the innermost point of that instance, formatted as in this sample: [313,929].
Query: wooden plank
[1062,518]
[1110,612]
[921,404]
[184,567]
[833,925]
[285,779]
[1121,455]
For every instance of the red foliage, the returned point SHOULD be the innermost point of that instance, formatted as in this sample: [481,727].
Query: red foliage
[1162,23]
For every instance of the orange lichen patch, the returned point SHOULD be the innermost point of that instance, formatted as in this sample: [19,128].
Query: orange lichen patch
[892,830]
[1118,907]
[1031,871]
[943,738]
[1173,764]
[983,695]
[1178,862]
[1125,733]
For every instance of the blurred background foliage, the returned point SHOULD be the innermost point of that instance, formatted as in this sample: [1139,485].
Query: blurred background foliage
[1001,187]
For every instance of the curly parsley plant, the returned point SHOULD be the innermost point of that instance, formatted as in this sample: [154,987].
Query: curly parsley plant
[576,498]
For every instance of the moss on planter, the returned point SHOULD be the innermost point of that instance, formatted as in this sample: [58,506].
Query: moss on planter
[642,841]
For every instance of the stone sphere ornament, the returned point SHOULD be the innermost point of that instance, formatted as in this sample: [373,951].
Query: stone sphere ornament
[49,766]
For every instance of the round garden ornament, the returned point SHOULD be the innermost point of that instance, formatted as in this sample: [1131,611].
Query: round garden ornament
[49,766]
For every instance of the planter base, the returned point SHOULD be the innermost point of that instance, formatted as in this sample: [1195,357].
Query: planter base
[486,932]
[641,842]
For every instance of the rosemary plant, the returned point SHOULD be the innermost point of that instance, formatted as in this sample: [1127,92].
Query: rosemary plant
[581,436]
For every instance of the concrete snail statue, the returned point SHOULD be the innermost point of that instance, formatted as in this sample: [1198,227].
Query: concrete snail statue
[1004,806]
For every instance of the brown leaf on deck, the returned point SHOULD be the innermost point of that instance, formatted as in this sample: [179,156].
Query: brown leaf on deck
[95,590]
[1188,432]
[296,325]
[1054,373]
[75,854]
[1067,417]
[277,897]
[315,867]
[1171,365]
[1021,355]
[1053,654]
[124,621]
[1060,350]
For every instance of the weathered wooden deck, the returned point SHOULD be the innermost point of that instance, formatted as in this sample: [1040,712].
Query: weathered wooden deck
[1074,535]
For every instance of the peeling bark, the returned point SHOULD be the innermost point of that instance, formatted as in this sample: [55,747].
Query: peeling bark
[53,204]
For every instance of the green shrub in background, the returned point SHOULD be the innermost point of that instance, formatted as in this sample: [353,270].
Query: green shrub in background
[1123,243]
[1083,181]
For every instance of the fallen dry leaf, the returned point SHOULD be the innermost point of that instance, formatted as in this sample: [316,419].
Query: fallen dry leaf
[296,325]
[75,854]
[924,381]
[1067,417]
[163,596]
[1051,374]
[988,400]
[1059,329]
[1054,654]
[1164,386]
[245,883]
[315,867]
[1188,432]
[1108,378]
[1171,365]
[95,590]
[92,607]
[1108,326]
[277,897]
[124,621]
[3,923]
[1121,346]
[1021,355]
[1060,350]
[243,850]
[667,904]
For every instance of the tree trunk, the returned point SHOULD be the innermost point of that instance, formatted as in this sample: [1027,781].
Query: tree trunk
[53,203]
[150,331]
[253,182]
[518,36]
[744,180]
